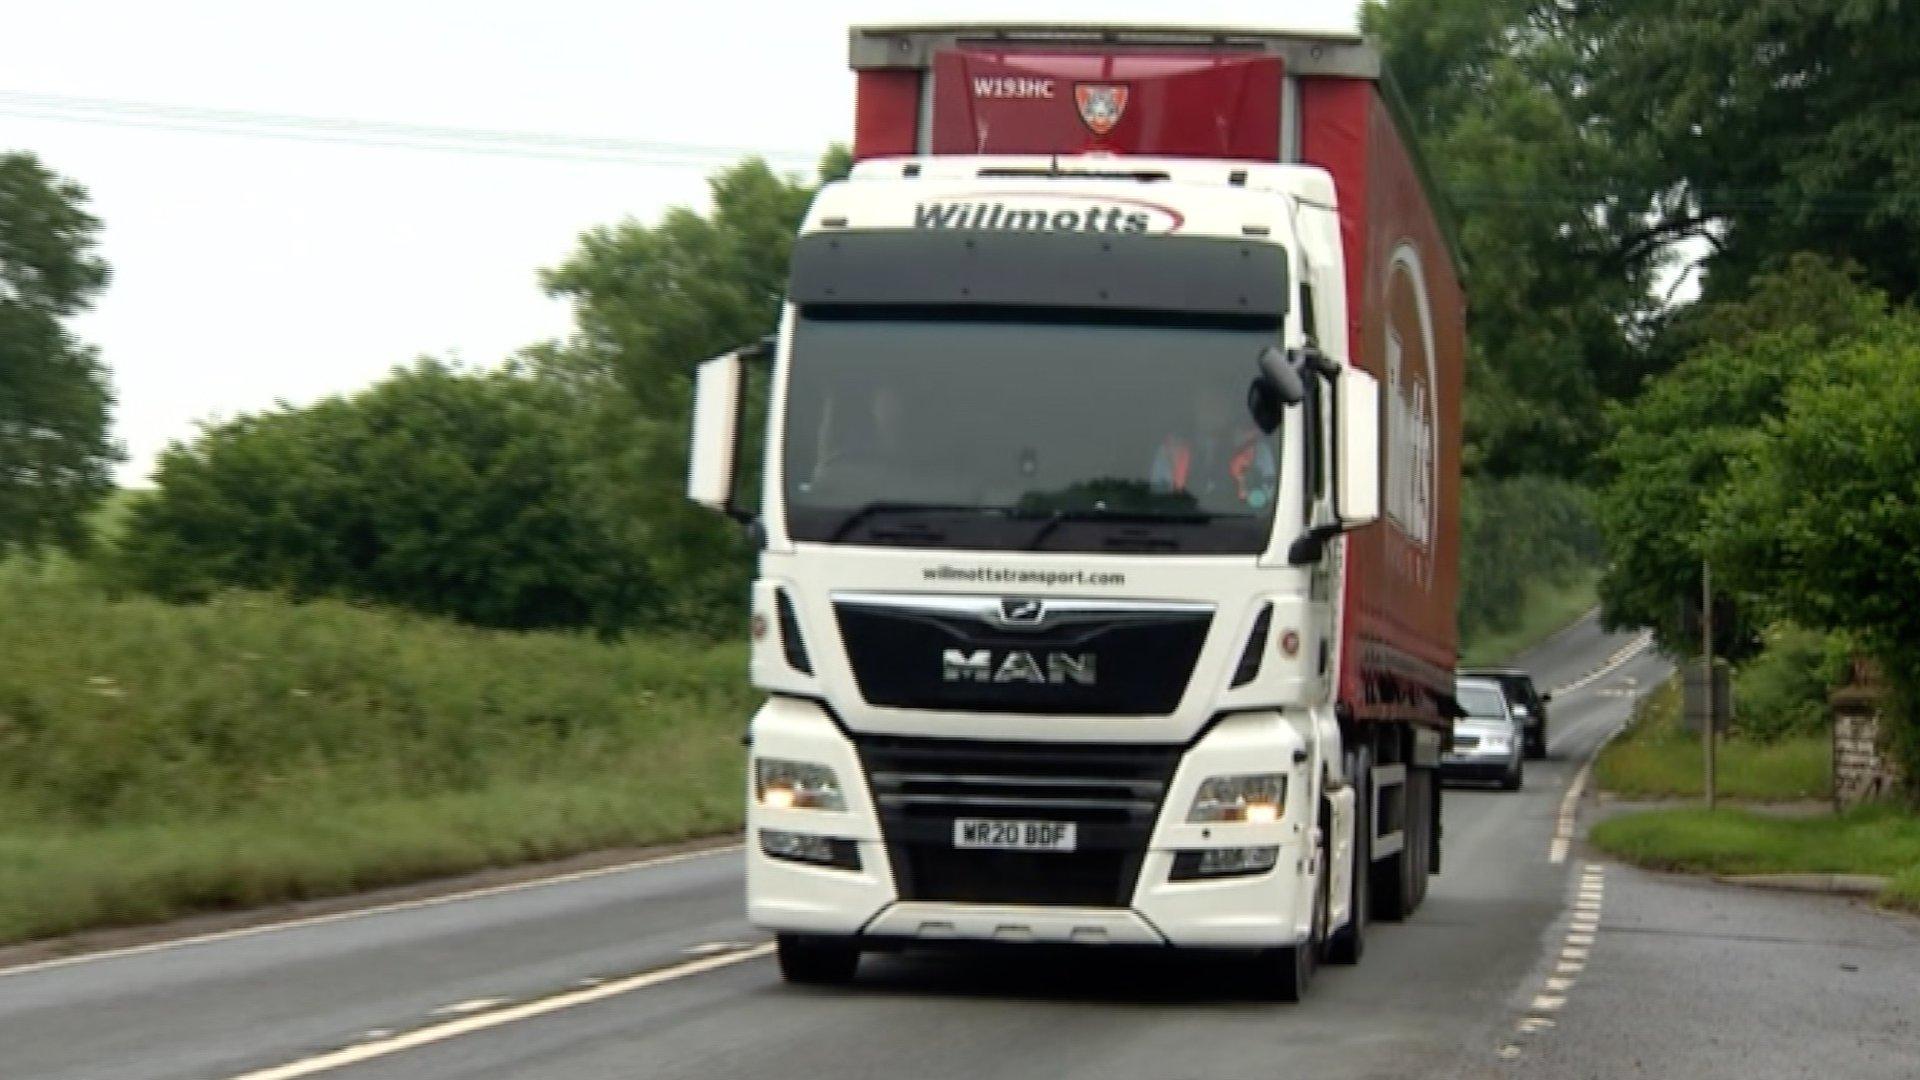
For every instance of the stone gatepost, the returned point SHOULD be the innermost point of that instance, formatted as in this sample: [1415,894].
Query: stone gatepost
[1863,770]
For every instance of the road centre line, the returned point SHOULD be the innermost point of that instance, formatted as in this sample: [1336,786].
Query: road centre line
[358,913]
[1613,663]
[467,1025]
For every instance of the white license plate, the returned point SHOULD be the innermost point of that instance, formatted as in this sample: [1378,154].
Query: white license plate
[1013,835]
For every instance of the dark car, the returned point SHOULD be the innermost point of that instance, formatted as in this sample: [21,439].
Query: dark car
[1529,704]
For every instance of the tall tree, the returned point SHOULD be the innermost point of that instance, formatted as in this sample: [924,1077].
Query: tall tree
[55,456]
[1778,126]
[1672,448]
[1547,203]
[652,301]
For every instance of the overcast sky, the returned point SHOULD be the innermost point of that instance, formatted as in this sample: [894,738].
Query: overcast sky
[256,268]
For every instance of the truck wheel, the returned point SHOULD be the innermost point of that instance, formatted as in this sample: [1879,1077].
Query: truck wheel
[1349,943]
[814,961]
[1400,880]
[1425,784]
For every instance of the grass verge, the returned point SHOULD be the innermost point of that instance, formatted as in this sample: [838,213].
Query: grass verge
[158,760]
[1882,840]
[1658,758]
[1546,605]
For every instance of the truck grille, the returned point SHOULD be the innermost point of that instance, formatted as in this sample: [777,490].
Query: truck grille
[1112,794]
[1085,658]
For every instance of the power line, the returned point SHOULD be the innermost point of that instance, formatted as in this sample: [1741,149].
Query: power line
[386,134]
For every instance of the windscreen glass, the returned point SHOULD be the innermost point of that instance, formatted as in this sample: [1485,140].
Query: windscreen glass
[1482,701]
[991,433]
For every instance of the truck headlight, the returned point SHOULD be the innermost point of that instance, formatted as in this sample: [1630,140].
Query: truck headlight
[1255,798]
[796,785]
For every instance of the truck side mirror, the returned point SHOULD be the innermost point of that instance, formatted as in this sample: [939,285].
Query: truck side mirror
[1357,455]
[1279,373]
[719,395]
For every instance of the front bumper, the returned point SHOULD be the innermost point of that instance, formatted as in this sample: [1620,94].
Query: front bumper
[1479,765]
[1259,910]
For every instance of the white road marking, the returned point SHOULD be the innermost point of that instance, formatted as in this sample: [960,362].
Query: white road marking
[708,948]
[1555,989]
[1613,663]
[358,913]
[1509,1051]
[1564,822]
[467,1025]
[461,1008]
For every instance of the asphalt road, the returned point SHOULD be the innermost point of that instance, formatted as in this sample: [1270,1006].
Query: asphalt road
[650,971]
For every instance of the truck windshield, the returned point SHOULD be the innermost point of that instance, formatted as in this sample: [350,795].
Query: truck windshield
[998,433]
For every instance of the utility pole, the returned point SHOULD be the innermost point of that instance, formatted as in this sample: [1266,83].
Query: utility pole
[1706,642]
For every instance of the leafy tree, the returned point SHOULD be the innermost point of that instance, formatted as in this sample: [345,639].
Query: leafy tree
[55,456]
[1777,126]
[462,495]
[1548,205]
[1822,505]
[1671,448]
[1818,517]
[652,301]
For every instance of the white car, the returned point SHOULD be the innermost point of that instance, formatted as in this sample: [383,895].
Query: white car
[1488,743]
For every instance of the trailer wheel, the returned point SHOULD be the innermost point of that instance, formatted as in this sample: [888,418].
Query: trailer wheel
[1400,880]
[814,961]
[1349,943]
[1421,786]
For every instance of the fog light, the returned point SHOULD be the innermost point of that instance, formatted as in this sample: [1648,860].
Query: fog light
[808,848]
[1224,862]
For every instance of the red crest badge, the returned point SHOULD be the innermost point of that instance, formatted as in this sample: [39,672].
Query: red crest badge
[1101,105]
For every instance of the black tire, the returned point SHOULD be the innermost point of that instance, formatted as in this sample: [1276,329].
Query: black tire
[1424,784]
[816,961]
[1349,943]
[1400,880]
[1537,745]
[1291,970]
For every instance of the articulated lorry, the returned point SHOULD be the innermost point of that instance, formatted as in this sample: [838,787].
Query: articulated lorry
[1108,510]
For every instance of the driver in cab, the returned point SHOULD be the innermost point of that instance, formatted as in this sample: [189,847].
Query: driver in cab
[1222,457]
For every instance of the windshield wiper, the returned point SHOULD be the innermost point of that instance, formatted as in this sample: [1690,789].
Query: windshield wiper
[1119,517]
[883,506]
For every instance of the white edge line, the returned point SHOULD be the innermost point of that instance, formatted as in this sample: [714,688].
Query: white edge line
[360,913]
[467,1025]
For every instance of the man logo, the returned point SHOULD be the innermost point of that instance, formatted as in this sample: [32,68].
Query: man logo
[1017,666]
[1101,105]
[1022,612]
